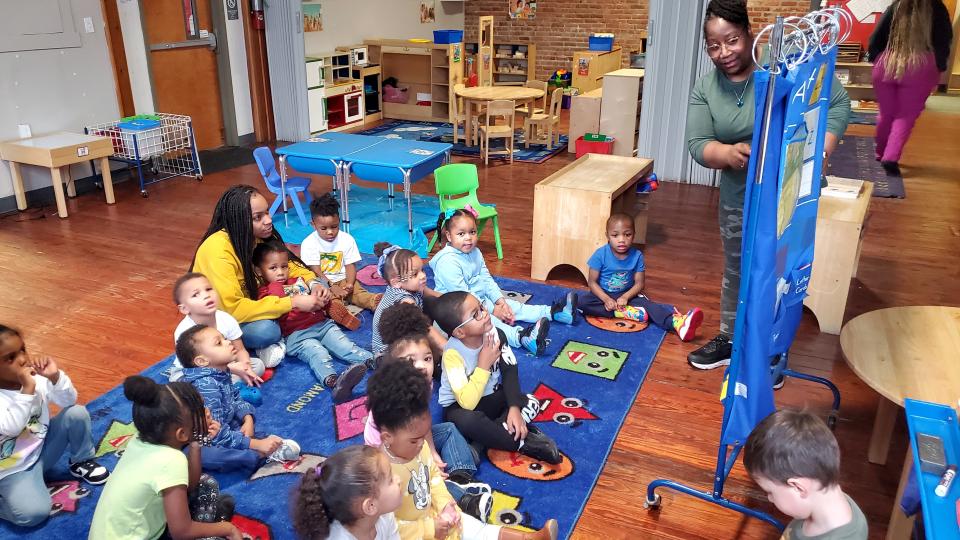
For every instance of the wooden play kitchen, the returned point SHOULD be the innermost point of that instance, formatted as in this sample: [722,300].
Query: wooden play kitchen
[57,152]
[571,207]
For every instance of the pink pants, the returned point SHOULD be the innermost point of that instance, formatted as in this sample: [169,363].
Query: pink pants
[901,102]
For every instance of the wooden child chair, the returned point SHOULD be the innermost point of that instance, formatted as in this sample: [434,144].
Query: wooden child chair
[459,116]
[501,108]
[537,106]
[544,128]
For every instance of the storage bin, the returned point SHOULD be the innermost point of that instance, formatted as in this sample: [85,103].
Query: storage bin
[594,147]
[601,43]
[445,37]
[149,135]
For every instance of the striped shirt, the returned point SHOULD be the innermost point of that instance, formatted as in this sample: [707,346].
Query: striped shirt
[391,296]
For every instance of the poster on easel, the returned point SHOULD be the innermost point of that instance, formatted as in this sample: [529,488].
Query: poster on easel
[522,9]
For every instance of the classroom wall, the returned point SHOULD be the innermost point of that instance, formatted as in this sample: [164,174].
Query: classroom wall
[349,22]
[57,89]
[561,27]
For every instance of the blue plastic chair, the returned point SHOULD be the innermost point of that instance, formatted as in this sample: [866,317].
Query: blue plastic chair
[294,184]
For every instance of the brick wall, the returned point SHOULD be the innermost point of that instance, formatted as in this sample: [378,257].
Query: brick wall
[561,27]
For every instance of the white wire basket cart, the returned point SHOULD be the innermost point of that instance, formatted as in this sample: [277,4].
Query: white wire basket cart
[163,143]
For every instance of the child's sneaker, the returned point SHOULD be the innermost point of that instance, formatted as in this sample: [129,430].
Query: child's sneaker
[478,505]
[289,451]
[539,445]
[565,311]
[534,338]
[633,313]
[342,386]
[686,325]
[272,355]
[250,394]
[90,472]
[342,316]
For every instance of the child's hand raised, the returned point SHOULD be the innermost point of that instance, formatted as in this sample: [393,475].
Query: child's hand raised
[45,367]
[25,377]
[489,352]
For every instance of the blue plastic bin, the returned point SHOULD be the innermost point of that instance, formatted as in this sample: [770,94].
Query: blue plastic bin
[138,124]
[601,43]
[447,36]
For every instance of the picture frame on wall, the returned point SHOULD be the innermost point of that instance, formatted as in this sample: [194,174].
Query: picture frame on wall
[312,17]
[522,9]
[428,11]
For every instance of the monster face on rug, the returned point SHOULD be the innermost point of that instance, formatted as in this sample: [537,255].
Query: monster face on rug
[602,362]
[369,277]
[350,417]
[506,512]
[307,462]
[251,528]
[566,411]
[521,466]
[64,496]
[616,325]
[116,438]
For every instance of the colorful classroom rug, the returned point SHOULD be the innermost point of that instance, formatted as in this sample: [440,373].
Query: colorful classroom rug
[373,221]
[863,118]
[442,132]
[855,157]
[587,381]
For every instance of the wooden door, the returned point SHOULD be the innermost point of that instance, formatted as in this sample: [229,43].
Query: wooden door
[184,74]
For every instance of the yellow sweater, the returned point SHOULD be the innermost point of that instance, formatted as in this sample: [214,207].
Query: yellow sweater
[217,260]
[423,500]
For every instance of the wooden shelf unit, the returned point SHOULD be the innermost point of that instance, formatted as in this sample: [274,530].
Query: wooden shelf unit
[369,76]
[620,109]
[508,68]
[859,83]
[596,64]
[425,68]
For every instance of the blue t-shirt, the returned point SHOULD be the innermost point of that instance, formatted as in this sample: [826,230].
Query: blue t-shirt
[616,275]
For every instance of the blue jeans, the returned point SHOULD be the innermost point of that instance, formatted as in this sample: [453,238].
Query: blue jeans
[456,453]
[260,334]
[521,312]
[221,459]
[316,344]
[24,499]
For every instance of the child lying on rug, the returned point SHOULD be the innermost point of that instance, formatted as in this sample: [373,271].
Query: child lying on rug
[309,335]
[616,281]
[334,253]
[404,329]
[398,397]
[460,267]
[205,354]
[31,442]
[154,486]
[476,361]
[351,495]
[197,300]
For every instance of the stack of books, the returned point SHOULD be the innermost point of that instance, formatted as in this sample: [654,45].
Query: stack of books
[842,188]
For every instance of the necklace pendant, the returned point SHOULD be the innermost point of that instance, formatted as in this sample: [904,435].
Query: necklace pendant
[739,104]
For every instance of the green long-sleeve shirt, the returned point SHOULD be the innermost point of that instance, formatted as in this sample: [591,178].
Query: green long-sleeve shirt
[714,116]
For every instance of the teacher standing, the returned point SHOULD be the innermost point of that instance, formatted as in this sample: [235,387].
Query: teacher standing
[719,131]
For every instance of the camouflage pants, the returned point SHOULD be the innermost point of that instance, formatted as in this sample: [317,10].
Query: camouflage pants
[731,235]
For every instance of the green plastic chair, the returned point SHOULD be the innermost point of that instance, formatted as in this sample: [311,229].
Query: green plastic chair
[461,179]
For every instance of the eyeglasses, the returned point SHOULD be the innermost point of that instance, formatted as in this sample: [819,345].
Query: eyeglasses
[713,49]
[477,315]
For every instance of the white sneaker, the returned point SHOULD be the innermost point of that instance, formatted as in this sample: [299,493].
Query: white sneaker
[272,355]
[289,451]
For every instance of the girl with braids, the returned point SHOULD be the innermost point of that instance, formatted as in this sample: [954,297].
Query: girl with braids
[240,221]
[350,496]
[719,130]
[909,49]
[155,487]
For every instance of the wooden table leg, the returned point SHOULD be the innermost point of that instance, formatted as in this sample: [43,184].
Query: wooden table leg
[68,177]
[887,412]
[18,190]
[58,191]
[107,180]
[900,526]
[468,128]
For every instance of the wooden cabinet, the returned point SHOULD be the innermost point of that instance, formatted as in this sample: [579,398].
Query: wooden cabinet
[427,69]
[590,66]
[584,116]
[369,77]
[857,78]
[513,63]
[620,109]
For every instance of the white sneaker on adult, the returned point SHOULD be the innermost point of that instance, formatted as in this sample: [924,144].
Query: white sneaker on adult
[272,355]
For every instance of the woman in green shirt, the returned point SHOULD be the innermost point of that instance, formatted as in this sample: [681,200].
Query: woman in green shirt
[719,131]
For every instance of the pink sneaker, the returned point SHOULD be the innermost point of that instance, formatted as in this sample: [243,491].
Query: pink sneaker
[686,325]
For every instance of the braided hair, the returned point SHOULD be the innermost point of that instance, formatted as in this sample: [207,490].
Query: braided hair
[444,222]
[732,11]
[158,407]
[398,263]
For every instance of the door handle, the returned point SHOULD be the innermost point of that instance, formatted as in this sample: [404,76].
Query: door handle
[209,41]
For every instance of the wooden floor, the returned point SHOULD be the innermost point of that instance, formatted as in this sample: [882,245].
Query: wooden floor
[94,292]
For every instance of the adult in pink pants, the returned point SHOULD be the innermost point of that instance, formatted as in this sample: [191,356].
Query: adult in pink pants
[909,47]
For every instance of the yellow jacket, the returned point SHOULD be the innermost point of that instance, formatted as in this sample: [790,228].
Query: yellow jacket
[417,523]
[217,260]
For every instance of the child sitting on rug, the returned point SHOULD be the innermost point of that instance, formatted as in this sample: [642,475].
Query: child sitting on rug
[459,266]
[154,486]
[480,385]
[402,269]
[31,442]
[398,397]
[794,457]
[310,336]
[616,281]
[404,329]
[351,495]
[205,354]
[197,300]
[334,253]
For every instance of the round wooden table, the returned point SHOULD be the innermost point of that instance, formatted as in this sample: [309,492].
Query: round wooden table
[482,94]
[903,352]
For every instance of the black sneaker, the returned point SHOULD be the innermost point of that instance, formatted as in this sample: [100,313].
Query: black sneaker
[713,354]
[479,505]
[90,472]
[343,390]
[779,383]
[891,167]
[539,445]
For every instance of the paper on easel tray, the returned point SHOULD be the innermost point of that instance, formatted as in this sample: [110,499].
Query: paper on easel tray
[842,188]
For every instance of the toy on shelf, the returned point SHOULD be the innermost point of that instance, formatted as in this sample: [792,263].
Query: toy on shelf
[561,78]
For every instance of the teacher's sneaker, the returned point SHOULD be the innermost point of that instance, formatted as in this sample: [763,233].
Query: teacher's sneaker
[712,354]
[565,311]
[90,472]
[686,325]
[272,355]
[289,450]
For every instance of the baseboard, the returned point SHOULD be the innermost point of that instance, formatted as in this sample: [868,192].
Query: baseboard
[247,140]
[45,197]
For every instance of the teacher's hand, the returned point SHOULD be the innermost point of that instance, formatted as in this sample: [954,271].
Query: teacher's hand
[737,156]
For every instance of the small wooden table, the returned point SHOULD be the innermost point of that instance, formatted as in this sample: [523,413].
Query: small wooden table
[571,207]
[836,256]
[57,151]
[903,352]
[482,94]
